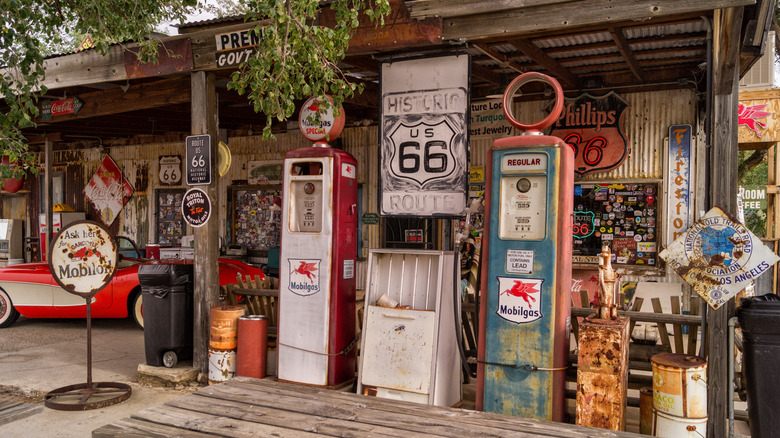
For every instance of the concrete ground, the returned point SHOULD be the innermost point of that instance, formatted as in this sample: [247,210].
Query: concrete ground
[37,356]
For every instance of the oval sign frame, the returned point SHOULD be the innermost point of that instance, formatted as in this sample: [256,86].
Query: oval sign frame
[93,243]
[199,215]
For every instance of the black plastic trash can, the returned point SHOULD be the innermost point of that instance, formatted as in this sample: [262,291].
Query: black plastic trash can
[759,318]
[167,290]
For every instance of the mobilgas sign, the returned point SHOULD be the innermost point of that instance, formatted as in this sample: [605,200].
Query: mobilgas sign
[233,48]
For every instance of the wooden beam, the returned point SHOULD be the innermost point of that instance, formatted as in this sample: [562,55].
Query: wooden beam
[138,97]
[499,57]
[722,188]
[485,73]
[533,51]
[454,8]
[625,49]
[539,19]
[206,285]
[725,50]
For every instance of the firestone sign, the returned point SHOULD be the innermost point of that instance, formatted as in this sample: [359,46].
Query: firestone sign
[718,257]
[593,127]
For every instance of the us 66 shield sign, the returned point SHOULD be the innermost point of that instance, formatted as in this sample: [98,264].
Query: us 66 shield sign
[424,137]
[198,160]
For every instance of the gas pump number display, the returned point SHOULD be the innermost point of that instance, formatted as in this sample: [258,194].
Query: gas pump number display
[523,197]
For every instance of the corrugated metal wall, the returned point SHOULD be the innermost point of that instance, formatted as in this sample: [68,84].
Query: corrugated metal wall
[647,125]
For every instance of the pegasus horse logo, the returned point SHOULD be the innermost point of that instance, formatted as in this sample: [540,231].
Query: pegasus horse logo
[307,269]
[522,290]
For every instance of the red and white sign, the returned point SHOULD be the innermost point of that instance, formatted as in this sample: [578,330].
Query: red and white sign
[593,127]
[524,162]
[66,106]
[108,191]
[520,299]
[329,126]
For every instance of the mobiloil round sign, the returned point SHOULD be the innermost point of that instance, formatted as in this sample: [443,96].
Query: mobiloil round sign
[83,258]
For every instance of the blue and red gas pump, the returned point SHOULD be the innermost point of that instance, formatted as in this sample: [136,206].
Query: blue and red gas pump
[317,258]
[525,303]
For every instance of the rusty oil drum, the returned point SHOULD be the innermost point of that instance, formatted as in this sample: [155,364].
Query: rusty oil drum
[252,348]
[223,338]
[670,426]
[679,385]
[646,410]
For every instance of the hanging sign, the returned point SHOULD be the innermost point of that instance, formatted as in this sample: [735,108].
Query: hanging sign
[50,108]
[718,257]
[170,170]
[593,127]
[198,160]
[679,180]
[108,191]
[196,207]
[424,137]
[234,48]
[83,258]
[329,126]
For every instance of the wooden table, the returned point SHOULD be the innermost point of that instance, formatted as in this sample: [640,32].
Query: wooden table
[245,407]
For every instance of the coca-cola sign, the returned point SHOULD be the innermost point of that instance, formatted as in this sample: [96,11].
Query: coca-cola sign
[71,105]
[108,191]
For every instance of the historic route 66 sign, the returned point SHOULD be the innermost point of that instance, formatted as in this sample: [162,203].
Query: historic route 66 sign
[170,170]
[422,151]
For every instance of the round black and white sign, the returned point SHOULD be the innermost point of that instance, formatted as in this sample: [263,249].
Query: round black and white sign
[196,207]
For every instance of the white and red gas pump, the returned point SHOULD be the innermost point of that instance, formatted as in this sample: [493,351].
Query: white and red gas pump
[316,331]
[526,279]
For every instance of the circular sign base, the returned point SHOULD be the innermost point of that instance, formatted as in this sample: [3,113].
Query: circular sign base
[86,396]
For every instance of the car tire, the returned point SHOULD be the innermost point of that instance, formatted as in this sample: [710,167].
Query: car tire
[136,308]
[8,315]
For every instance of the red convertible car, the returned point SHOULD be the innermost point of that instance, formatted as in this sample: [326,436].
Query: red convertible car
[30,290]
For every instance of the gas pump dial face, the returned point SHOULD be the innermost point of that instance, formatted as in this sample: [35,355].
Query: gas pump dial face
[523,207]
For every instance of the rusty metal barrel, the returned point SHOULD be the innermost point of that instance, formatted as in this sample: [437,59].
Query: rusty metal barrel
[252,346]
[679,395]
[679,385]
[646,410]
[223,342]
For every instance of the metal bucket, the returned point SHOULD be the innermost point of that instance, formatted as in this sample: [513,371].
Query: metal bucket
[670,426]
[222,365]
[252,346]
[679,385]
[646,410]
[224,327]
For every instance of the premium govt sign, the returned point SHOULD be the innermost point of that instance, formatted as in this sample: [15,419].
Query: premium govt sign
[424,137]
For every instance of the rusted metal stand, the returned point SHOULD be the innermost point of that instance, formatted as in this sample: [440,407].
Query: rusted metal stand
[602,372]
[89,395]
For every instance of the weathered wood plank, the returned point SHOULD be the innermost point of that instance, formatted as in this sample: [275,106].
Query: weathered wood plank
[453,8]
[644,316]
[433,414]
[215,425]
[662,325]
[285,418]
[131,428]
[537,19]
[13,411]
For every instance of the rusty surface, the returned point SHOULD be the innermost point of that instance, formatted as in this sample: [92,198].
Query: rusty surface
[602,373]
[174,57]
[646,410]
[679,385]
[77,397]
[400,30]
[678,360]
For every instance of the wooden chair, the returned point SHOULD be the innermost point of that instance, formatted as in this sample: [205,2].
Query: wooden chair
[260,297]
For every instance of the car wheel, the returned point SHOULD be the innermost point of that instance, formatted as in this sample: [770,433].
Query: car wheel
[8,315]
[137,309]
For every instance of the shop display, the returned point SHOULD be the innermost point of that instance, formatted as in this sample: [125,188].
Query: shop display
[622,216]
[170,223]
[256,217]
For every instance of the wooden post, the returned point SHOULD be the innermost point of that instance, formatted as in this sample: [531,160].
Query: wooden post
[47,191]
[723,161]
[206,293]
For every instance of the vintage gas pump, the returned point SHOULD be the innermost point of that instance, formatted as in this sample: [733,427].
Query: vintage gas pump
[526,280]
[317,258]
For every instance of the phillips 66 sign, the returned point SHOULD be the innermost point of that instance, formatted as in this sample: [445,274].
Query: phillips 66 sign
[424,151]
